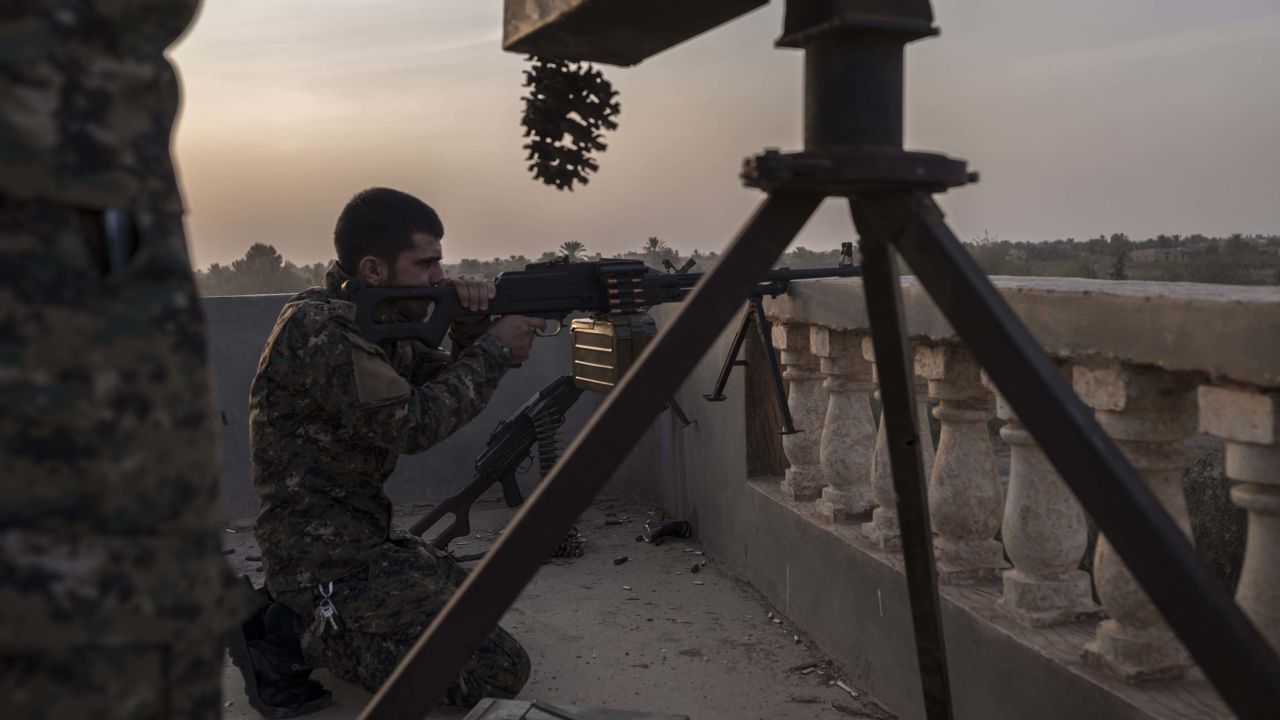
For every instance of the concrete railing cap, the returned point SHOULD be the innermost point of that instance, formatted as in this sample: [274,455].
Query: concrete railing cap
[1228,332]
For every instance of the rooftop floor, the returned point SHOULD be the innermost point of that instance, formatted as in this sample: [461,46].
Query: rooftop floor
[648,634]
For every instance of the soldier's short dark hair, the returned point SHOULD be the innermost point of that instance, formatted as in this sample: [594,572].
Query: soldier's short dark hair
[380,222]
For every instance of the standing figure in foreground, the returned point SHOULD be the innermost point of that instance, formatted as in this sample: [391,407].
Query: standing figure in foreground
[329,414]
[114,595]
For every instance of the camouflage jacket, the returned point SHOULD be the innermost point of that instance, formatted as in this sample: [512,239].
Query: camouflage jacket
[329,412]
[87,101]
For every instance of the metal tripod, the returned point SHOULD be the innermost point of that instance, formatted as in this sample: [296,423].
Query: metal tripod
[853,149]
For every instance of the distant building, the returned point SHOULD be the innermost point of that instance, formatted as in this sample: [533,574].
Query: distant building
[1159,254]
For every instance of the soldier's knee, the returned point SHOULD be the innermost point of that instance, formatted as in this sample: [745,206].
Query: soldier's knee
[522,667]
[504,665]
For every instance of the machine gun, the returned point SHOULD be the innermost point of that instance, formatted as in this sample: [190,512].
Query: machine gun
[616,295]
[552,290]
[536,424]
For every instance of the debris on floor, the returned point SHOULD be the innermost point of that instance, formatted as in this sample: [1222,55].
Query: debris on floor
[666,647]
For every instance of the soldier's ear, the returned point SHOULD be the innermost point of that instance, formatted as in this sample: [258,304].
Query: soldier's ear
[373,270]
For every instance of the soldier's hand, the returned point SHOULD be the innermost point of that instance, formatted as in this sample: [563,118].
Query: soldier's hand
[473,293]
[517,333]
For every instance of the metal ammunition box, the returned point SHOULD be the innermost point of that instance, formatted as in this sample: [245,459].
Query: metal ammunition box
[604,348]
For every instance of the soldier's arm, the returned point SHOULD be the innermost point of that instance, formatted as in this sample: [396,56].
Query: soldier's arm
[354,380]
[426,361]
[464,332]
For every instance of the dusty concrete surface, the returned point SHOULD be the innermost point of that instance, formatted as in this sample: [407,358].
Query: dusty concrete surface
[647,634]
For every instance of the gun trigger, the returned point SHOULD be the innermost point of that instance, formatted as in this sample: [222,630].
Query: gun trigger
[559,327]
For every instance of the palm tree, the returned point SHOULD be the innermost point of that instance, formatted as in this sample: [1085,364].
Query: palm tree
[571,248]
[653,246]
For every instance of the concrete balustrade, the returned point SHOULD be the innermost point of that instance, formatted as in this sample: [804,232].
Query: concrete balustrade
[1170,360]
[1148,413]
[1248,420]
[848,432]
[883,528]
[807,400]
[1045,534]
[965,495]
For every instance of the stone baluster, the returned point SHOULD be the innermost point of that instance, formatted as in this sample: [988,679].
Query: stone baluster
[808,403]
[1045,534]
[883,528]
[849,433]
[1148,412]
[966,498]
[1249,421]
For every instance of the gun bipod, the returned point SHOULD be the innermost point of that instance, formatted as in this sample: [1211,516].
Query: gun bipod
[754,316]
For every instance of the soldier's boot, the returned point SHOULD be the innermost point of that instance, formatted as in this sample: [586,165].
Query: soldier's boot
[268,654]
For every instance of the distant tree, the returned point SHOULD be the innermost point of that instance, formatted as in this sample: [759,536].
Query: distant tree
[261,260]
[571,249]
[312,275]
[655,250]
[653,246]
[1096,245]
[803,257]
[261,270]
[1118,267]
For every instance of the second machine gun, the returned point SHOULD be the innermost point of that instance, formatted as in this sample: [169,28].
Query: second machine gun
[536,424]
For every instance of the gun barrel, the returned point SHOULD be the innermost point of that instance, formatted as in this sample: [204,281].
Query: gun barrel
[688,280]
[813,273]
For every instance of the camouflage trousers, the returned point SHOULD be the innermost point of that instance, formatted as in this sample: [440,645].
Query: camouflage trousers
[121,683]
[383,610]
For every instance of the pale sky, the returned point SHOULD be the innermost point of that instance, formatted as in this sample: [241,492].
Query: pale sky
[1083,116]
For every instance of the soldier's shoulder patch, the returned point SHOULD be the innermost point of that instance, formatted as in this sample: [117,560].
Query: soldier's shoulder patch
[376,380]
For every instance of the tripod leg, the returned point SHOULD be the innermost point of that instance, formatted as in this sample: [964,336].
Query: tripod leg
[731,359]
[678,411]
[1229,649]
[771,356]
[893,363]
[435,660]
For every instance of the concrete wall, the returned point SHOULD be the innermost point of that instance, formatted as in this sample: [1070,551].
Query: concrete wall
[238,330]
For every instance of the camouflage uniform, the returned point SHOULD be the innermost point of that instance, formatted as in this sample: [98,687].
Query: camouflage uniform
[329,414]
[114,595]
